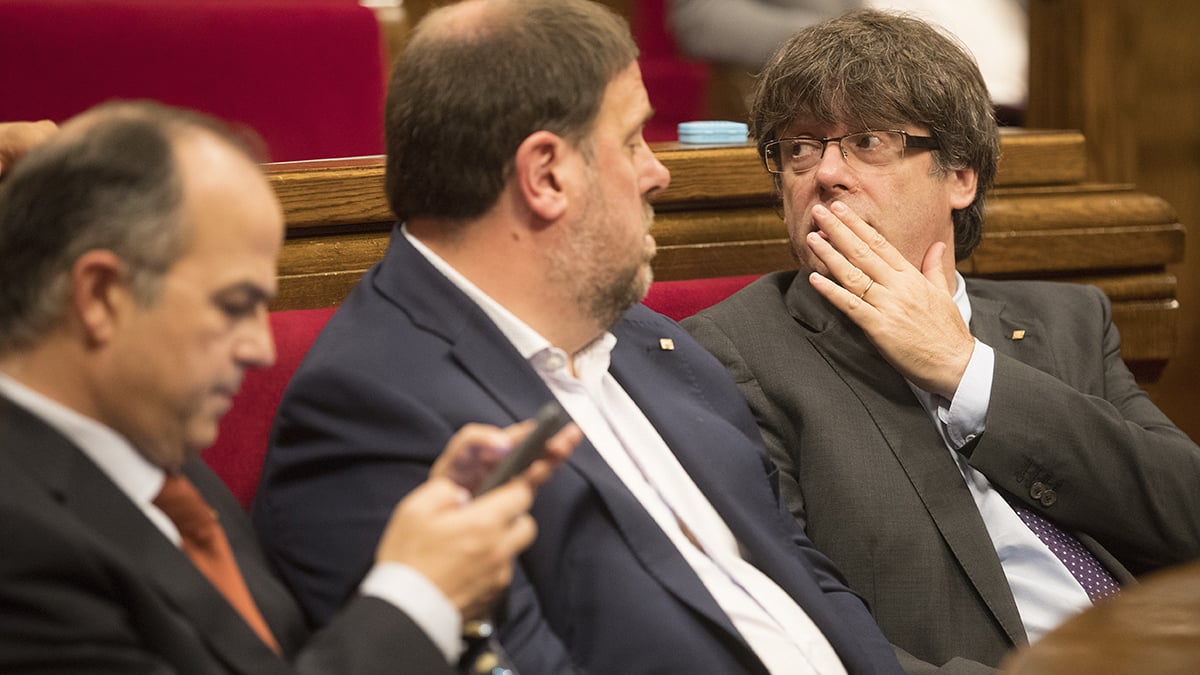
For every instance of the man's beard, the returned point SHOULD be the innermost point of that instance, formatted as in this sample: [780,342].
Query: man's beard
[606,290]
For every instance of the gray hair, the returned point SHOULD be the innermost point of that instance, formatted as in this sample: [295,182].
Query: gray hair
[110,181]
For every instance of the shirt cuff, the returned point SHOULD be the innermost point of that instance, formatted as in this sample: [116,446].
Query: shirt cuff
[965,416]
[410,592]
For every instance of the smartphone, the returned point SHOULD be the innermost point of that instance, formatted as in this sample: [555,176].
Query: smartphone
[548,421]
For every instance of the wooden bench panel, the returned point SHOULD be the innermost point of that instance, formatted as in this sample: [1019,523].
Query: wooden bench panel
[720,217]
[324,193]
[321,193]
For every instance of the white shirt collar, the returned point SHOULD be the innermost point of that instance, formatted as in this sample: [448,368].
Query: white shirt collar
[590,362]
[132,473]
[960,297]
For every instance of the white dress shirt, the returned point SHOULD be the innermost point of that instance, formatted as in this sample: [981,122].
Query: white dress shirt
[141,481]
[1046,592]
[772,623]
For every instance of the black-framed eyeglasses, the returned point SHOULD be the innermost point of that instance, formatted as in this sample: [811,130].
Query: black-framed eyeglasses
[864,148]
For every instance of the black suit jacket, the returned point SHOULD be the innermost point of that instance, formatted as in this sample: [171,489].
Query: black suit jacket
[88,584]
[408,359]
[866,470]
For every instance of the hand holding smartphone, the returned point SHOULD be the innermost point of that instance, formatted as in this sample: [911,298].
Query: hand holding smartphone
[547,422]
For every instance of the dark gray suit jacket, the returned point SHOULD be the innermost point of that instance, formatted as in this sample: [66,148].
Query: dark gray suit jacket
[867,473]
[89,585]
[408,359]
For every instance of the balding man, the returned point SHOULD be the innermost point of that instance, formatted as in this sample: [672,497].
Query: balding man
[139,249]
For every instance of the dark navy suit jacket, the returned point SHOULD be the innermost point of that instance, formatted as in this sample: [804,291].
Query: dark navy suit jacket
[408,359]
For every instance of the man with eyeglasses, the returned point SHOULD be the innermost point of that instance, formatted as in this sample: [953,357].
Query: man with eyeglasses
[974,455]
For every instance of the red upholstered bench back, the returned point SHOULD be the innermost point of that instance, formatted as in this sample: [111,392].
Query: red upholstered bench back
[238,453]
[307,75]
[681,299]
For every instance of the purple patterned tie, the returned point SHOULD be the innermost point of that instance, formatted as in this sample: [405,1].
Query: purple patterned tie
[1080,562]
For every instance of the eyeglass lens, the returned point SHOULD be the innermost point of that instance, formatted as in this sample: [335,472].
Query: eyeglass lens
[870,148]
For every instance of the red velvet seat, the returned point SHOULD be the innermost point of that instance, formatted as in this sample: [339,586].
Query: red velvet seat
[238,453]
[681,299]
[307,75]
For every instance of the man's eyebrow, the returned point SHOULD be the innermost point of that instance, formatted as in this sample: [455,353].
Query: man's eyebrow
[247,289]
[641,125]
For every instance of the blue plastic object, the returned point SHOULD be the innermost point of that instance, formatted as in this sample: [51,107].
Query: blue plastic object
[712,132]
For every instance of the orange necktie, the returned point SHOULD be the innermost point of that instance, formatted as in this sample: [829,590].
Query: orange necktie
[205,543]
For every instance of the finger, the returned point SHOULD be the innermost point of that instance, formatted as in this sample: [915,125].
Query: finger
[428,501]
[850,304]
[558,448]
[933,269]
[471,454]
[851,280]
[504,503]
[858,241]
[562,444]
[17,138]
[873,238]
[518,431]
[433,496]
[519,535]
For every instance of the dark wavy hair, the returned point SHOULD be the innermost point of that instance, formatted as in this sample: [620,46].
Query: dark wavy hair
[880,70]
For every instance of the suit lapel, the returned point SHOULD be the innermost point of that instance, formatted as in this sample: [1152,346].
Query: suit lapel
[436,305]
[693,432]
[905,428]
[500,370]
[671,410]
[647,541]
[1020,337]
[100,506]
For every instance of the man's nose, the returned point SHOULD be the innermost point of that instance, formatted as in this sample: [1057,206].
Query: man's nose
[255,347]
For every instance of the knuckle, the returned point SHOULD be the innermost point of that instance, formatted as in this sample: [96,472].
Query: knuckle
[855,276]
[860,249]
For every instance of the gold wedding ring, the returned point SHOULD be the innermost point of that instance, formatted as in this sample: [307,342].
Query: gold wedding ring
[870,283]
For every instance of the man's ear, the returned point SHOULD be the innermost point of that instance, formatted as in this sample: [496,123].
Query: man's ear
[538,170]
[962,187]
[98,293]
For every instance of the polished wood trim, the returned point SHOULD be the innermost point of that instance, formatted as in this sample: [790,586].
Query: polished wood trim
[720,217]
[324,192]
[1083,75]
